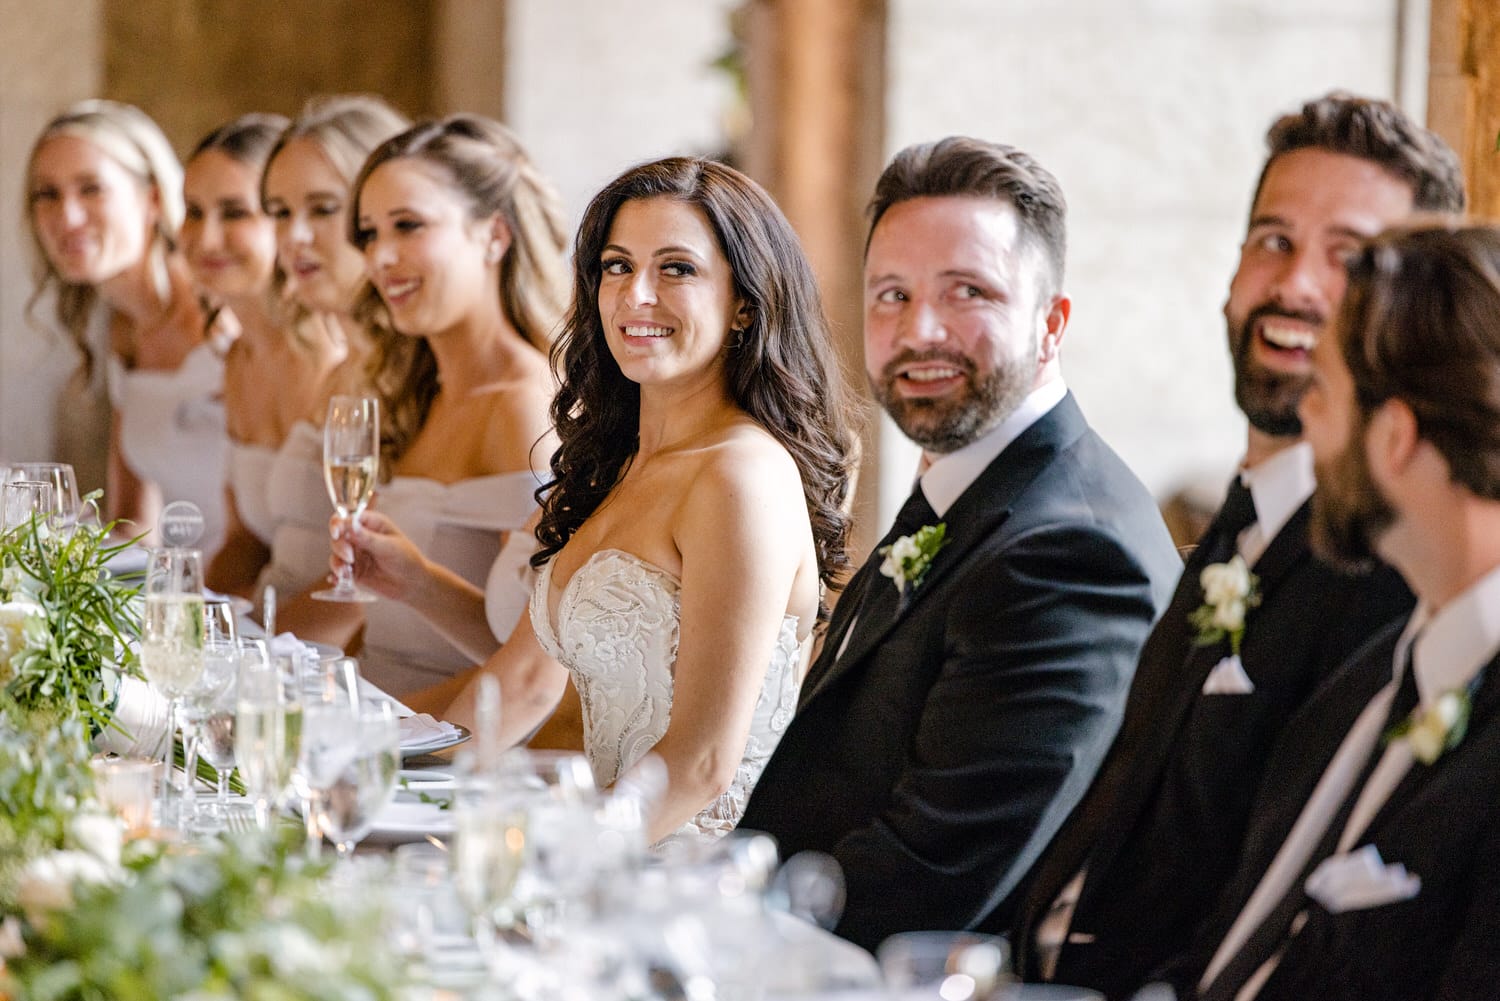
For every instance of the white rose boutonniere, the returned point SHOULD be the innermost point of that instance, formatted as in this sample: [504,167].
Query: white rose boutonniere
[908,559]
[1229,592]
[1431,730]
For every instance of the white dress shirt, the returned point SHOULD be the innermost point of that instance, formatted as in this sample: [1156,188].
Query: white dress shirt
[1278,487]
[1448,649]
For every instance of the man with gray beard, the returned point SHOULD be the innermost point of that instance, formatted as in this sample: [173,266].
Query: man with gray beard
[1139,865]
[974,671]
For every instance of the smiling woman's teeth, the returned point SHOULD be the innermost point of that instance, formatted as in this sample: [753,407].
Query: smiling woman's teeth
[397,291]
[647,331]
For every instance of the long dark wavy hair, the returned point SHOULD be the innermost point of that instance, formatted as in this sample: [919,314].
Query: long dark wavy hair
[781,370]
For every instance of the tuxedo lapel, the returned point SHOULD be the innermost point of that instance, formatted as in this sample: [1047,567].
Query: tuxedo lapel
[974,516]
[1419,775]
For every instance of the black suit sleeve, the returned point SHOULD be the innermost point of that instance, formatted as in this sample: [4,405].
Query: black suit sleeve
[1473,967]
[1039,639]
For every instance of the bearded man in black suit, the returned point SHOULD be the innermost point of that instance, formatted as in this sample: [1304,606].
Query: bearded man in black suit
[974,671]
[1136,869]
[1383,887]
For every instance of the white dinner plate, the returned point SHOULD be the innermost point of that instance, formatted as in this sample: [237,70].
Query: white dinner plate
[408,819]
[438,743]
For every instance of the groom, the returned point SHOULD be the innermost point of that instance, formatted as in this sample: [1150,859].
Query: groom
[975,669]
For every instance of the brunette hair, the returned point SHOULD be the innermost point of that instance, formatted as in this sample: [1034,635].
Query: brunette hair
[247,139]
[780,369]
[128,136]
[1377,131]
[1420,322]
[487,167]
[960,166]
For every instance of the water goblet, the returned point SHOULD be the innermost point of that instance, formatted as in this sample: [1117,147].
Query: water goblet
[351,459]
[268,729]
[352,769]
[22,500]
[947,965]
[220,662]
[65,505]
[172,645]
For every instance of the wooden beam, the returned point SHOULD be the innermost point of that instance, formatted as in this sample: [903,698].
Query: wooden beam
[1463,103]
[816,73]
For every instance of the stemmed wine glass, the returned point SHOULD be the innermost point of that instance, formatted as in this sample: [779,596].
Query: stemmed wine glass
[267,729]
[172,641]
[64,507]
[330,707]
[351,459]
[21,500]
[220,661]
[352,766]
[216,726]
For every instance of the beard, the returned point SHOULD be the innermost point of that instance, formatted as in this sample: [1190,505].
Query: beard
[1268,399]
[947,424]
[1349,513]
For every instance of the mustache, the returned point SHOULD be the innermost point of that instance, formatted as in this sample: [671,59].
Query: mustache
[892,368]
[1269,309]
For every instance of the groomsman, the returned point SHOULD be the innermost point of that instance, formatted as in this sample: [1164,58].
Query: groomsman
[1385,885]
[1140,863]
[975,668]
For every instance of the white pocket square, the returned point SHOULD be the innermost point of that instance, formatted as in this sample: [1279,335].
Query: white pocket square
[1228,678]
[1359,880]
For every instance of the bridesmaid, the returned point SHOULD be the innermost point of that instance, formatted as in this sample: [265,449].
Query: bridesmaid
[305,190]
[104,203]
[463,242]
[230,246]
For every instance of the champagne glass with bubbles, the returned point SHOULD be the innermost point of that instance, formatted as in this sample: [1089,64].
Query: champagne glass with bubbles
[172,641]
[351,460]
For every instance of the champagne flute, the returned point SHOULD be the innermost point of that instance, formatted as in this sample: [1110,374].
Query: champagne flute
[351,459]
[172,643]
[355,778]
[267,730]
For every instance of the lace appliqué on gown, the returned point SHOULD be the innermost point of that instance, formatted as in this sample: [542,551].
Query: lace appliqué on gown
[617,636]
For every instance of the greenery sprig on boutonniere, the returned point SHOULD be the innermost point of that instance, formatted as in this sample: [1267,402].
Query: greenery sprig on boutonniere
[1431,730]
[908,559]
[1230,590]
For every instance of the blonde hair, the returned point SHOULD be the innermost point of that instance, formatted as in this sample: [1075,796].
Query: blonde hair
[128,136]
[345,127]
[487,167]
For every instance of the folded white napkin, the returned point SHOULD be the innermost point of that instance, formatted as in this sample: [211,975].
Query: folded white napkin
[422,730]
[1359,880]
[1228,678]
[138,728]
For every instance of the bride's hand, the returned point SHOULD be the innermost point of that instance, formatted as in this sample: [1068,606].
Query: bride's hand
[384,559]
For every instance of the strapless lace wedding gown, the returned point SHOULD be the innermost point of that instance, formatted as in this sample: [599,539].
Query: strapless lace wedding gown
[617,624]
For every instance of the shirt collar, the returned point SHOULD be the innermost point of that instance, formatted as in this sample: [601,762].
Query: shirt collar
[951,474]
[1456,641]
[1279,486]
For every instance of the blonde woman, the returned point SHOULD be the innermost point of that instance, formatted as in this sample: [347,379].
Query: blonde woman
[305,191]
[104,203]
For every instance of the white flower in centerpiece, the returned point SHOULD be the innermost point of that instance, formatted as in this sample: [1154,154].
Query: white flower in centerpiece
[12,944]
[47,882]
[20,622]
[99,835]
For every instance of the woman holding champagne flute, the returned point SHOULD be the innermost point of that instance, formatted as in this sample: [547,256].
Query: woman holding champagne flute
[305,190]
[463,243]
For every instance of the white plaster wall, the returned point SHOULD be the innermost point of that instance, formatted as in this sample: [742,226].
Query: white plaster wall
[593,87]
[1152,115]
[52,58]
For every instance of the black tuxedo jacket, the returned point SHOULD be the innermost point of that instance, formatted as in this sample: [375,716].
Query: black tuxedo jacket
[1442,823]
[937,756]
[1161,829]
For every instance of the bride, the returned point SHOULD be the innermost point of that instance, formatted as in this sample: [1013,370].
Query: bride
[695,514]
